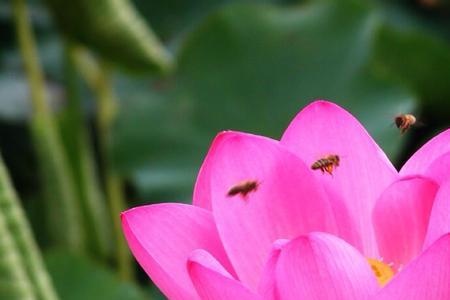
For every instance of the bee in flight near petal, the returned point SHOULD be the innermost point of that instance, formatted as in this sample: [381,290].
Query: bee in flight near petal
[404,122]
[326,164]
[243,188]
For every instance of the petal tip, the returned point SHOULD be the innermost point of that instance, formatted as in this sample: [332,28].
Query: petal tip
[322,104]
[124,215]
[224,134]
[196,255]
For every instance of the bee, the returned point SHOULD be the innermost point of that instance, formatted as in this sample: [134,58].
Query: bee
[243,188]
[404,122]
[326,164]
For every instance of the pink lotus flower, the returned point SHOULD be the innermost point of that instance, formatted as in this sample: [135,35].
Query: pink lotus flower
[264,225]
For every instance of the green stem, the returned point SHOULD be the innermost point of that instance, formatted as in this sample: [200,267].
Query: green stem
[116,202]
[14,283]
[14,217]
[30,58]
[99,79]
[106,111]
[84,169]
[64,213]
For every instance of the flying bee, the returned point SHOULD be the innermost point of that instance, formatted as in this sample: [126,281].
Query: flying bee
[243,188]
[404,122]
[326,164]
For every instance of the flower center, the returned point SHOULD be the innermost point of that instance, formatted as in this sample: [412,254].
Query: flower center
[383,272]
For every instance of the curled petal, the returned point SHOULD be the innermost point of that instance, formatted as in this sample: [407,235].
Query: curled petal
[426,277]
[212,281]
[323,128]
[202,190]
[320,266]
[161,238]
[438,169]
[267,286]
[401,218]
[421,160]
[440,215]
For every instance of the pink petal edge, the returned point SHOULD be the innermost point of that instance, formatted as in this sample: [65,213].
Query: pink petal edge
[212,281]
[401,217]
[202,191]
[421,160]
[267,285]
[426,277]
[161,237]
[320,266]
[439,168]
[439,223]
[323,128]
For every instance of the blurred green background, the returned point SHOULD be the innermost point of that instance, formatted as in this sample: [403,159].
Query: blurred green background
[136,90]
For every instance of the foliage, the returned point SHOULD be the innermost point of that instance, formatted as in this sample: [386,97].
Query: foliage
[118,33]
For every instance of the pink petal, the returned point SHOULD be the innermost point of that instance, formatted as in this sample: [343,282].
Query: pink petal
[320,267]
[426,277]
[212,281]
[439,168]
[323,128]
[440,215]
[267,287]
[288,201]
[202,191]
[421,160]
[162,236]
[401,217]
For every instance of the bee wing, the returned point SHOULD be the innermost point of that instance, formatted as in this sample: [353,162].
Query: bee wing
[420,124]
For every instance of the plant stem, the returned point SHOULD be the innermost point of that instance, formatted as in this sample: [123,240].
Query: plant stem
[14,282]
[76,141]
[14,217]
[99,79]
[64,213]
[106,112]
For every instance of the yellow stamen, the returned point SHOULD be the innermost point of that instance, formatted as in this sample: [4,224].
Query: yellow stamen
[382,271]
